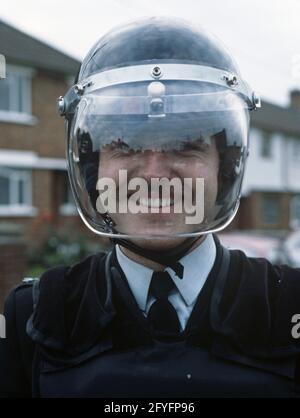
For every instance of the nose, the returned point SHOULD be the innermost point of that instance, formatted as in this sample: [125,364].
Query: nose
[155,164]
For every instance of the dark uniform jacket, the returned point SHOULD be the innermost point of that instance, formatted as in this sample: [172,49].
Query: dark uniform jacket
[78,332]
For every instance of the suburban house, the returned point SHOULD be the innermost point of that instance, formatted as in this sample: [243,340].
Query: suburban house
[34,191]
[33,178]
[271,191]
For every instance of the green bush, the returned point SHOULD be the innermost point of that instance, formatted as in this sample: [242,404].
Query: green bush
[60,248]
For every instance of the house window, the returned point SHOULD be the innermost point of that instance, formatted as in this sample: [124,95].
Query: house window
[270,209]
[15,96]
[296,149]
[15,192]
[295,212]
[266,145]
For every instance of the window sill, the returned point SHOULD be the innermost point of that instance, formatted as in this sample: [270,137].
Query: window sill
[270,226]
[18,118]
[68,210]
[17,211]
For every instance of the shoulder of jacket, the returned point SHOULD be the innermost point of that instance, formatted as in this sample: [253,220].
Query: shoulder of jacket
[23,287]
[258,306]
[19,300]
[30,280]
[264,268]
[62,299]
[66,276]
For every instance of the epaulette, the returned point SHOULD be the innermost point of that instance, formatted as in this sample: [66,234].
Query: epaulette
[30,280]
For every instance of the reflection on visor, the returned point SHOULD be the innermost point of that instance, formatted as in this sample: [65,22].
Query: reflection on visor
[165,121]
[177,103]
[167,133]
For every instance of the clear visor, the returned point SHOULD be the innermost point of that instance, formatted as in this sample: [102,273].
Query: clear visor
[158,159]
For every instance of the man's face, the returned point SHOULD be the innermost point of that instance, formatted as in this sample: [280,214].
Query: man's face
[197,160]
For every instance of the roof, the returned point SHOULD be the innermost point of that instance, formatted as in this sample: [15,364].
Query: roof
[272,118]
[21,48]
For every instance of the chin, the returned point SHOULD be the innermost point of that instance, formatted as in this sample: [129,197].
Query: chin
[158,244]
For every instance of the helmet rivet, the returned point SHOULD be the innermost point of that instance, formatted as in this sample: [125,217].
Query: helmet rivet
[79,89]
[256,100]
[61,105]
[156,72]
[231,80]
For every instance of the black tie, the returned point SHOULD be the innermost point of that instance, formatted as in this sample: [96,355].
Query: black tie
[162,315]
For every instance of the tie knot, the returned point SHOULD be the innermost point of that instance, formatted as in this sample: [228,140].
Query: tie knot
[161,284]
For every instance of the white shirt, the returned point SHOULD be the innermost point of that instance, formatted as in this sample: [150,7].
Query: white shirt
[197,266]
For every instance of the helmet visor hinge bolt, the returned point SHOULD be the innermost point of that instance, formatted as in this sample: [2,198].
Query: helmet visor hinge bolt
[79,89]
[61,106]
[231,80]
[256,101]
[156,72]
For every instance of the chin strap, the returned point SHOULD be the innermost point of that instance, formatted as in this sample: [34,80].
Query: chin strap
[168,258]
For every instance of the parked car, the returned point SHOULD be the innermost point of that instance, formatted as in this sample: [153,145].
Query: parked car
[254,245]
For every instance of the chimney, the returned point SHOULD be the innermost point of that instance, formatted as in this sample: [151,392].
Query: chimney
[295,99]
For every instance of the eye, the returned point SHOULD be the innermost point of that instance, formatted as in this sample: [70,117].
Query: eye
[196,146]
[119,149]
[193,148]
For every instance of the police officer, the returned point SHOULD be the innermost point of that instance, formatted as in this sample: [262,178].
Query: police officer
[157,141]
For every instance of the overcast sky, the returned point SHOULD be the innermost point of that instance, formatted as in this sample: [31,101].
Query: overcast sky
[263,35]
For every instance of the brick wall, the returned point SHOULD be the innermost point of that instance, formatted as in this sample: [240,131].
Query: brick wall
[47,136]
[250,212]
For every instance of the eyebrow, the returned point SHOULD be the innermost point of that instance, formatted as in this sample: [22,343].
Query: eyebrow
[198,144]
[119,143]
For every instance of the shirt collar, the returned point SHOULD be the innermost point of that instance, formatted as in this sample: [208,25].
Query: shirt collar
[197,266]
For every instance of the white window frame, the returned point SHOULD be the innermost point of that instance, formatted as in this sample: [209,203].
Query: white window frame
[296,149]
[13,208]
[294,221]
[24,117]
[264,198]
[266,137]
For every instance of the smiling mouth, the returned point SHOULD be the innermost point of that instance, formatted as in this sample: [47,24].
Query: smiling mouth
[156,202]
